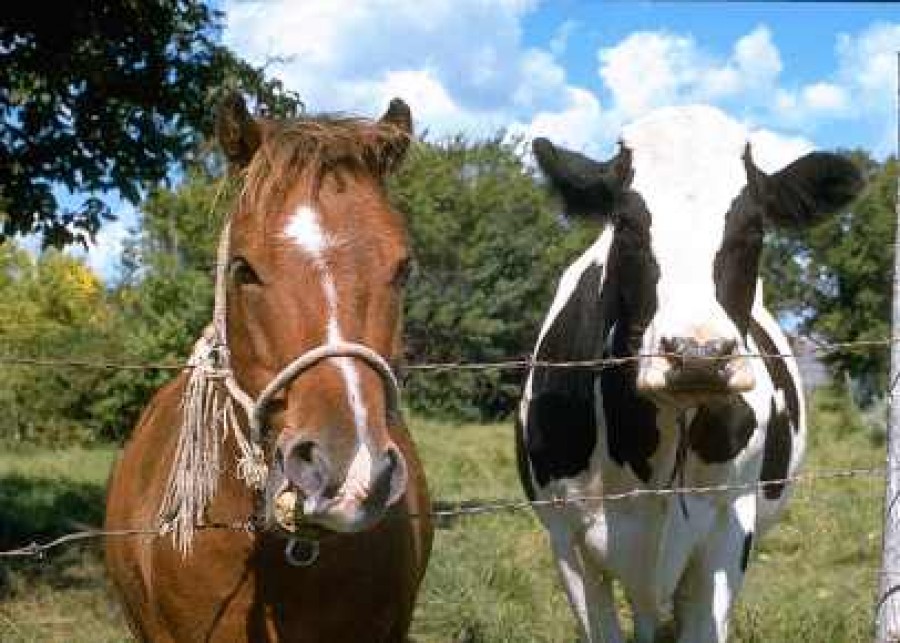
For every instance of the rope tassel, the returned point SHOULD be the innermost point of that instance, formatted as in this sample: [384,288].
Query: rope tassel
[208,416]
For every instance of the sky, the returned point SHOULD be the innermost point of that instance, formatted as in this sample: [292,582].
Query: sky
[797,75]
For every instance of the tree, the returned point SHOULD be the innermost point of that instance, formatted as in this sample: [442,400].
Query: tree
[165,298]
[836,276]
[53,306]
[106,96]
[489,248]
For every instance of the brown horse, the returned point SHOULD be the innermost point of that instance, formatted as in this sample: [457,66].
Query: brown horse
[308,314]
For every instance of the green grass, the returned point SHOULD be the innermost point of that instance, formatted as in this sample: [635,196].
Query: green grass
[491,578]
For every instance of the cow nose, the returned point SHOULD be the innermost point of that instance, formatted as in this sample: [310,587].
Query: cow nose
[696,365]
[305,466]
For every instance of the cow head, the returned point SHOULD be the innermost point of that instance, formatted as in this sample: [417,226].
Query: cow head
[689,208]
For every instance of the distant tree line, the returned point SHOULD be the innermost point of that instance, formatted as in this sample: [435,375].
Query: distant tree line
[489,246]
[113,97]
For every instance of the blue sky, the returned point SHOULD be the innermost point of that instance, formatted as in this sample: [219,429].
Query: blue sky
[797,75]
[823,72]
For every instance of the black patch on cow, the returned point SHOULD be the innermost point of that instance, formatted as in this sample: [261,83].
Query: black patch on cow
[632,434]
[721,429]
[522,464]
[561,430]
[777,452]
[778,371]
[736,263]
[745,554]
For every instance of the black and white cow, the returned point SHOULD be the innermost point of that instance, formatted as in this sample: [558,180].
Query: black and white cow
[672,280]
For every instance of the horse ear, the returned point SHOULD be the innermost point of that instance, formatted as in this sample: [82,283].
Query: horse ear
[814,185]
[397,118]
[237,131]
[588,187]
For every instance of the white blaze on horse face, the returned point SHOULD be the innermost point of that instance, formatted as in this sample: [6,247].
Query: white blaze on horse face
[305,229]
[688,168]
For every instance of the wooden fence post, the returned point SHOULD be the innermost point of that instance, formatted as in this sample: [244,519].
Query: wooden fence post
[887,610]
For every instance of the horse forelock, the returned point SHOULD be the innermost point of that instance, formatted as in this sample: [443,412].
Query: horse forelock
[303,151]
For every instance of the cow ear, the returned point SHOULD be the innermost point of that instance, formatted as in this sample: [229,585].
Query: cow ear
[814,185]
[588,187]
[237,131]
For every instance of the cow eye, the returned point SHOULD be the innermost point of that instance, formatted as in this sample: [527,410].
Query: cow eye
[241,273]
[402,272]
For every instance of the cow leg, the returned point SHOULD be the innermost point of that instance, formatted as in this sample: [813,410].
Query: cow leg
[589,592]
[712,581]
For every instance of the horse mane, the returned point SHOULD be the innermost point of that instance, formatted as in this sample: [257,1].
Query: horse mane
[311,147]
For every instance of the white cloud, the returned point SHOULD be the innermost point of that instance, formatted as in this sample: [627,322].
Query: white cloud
[578,124]
[868,64]
[772,150]
[861,89]
[825,97]
[345,56]
[757,58]
[647,69]
[653,68]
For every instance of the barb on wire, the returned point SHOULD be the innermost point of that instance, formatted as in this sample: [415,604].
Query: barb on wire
[457,509]
[504,364]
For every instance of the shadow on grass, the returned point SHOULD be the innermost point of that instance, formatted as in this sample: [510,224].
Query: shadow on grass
[38,510]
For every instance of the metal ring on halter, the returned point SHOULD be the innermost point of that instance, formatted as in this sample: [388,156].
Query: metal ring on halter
[312,357]
[301,552]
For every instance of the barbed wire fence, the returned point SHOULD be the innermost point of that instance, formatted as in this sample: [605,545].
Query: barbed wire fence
[450,510]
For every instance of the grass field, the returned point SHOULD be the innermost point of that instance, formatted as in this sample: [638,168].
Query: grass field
[491,578]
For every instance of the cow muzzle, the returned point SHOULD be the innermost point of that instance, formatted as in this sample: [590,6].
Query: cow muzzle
[307,493]
[687,369]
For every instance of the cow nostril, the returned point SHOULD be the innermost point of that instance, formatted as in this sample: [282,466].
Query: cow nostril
[665,346]
[728,348]
[306,467]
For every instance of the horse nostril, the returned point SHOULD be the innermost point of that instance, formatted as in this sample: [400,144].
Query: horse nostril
[389,477]
[306,467]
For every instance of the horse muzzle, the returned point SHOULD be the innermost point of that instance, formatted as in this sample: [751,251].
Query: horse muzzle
[304,493]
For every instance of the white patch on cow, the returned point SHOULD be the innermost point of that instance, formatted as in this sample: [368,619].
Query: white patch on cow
[688,169]
[745,510]
[305,229]
[721,599]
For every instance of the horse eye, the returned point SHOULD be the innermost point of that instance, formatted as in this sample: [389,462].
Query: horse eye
[402,272]
[241,273]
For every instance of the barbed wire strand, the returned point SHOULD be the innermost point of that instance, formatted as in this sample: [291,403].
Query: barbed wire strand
[457,509]
[503,364]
